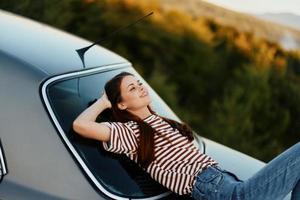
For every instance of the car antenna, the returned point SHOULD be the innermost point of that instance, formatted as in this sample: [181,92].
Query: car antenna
[82,51]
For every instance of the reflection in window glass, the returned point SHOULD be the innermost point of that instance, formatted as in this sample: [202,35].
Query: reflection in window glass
[116,173]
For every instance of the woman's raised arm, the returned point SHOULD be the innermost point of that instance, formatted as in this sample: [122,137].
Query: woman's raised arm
[85,124]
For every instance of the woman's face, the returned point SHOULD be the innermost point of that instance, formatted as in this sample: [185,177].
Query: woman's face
[134,94]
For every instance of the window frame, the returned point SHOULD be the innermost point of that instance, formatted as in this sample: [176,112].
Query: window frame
[45,99]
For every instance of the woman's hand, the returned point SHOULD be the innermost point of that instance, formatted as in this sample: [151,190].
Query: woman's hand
[85,124]
[105,100]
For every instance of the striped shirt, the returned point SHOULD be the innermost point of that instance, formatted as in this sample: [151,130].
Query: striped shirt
[177,160]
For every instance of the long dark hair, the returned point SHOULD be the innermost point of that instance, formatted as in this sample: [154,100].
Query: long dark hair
[145,149]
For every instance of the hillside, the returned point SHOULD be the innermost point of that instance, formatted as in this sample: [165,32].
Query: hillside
[288,19]
[241,21]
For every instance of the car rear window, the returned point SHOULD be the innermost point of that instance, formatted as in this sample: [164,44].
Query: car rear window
[66,96]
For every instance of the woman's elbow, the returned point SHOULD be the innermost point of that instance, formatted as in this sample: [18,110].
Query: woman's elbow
[77,127]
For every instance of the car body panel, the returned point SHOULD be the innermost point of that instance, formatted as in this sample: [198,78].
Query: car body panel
[37,159]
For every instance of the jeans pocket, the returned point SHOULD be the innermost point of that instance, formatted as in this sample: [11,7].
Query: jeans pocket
[232,174]
[207,184]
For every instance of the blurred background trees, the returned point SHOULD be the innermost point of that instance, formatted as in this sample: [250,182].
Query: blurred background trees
[229,85]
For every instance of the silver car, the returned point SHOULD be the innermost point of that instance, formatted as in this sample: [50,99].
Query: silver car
[43,87]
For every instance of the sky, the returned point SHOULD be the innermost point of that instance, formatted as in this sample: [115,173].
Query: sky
[260,6]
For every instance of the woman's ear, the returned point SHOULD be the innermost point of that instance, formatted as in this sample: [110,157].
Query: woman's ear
[122,106]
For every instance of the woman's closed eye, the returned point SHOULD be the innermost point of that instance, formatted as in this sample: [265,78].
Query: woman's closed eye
[132,88]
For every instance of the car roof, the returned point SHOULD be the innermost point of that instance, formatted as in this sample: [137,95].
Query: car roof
[48,49]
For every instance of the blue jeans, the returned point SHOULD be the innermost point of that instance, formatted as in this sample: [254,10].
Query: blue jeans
[273,182]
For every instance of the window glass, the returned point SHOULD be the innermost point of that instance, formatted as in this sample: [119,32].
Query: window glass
[116,173]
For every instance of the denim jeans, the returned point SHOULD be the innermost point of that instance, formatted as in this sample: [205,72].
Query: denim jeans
[273,182]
